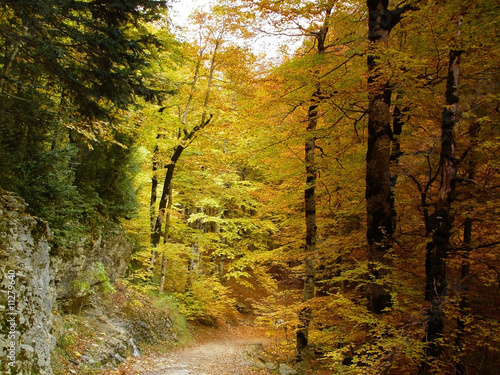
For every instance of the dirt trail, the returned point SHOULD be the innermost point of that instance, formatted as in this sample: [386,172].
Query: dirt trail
[224,353]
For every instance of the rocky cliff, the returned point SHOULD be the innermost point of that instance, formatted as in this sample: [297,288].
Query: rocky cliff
[37,286]
[110,253]
[26,293]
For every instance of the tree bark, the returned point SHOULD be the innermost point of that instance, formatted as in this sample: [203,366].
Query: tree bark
[165,240]
[156,234]
[167,185]
[441,221]
[183,143]
[397,129]
[305,315]
[379,229]
[154,186]
[463,304]
[310,239]
[381,214]
[152,203]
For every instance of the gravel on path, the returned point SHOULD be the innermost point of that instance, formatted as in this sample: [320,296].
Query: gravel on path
[226,353]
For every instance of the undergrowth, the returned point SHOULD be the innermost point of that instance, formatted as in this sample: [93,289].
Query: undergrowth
[154,322]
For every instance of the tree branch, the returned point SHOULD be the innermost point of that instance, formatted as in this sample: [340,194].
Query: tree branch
[397,14]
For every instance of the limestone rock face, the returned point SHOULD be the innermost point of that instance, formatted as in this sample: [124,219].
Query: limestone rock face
[26,293]
[112,252]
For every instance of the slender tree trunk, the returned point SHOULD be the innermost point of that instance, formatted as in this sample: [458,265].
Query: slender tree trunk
[183,143]
[157,220]
[220,266]
[156,234]
[441,221]
[397,129]
[152,204]
[310,240]
[167,185]
[164,260]
[154,187]
[193,87]
[193,266]
[309,291]
[463,305]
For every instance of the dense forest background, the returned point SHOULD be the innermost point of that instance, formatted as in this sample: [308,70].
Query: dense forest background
[346,193]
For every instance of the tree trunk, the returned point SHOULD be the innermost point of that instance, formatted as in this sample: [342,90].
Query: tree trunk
[305,315]
[397,129]
[463,304]
[152,204]
[465,266]
[154,187]
[156,234]
[441,221]
[310,240]
[378,196]
[184,141]
[379,193]
[166,235]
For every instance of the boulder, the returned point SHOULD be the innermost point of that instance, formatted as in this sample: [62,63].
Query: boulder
[242,308]
[286,370]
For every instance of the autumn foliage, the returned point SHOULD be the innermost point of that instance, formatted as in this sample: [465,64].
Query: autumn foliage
[240,218]
[346,189]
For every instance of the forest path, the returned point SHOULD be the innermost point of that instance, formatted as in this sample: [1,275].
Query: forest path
[223,352]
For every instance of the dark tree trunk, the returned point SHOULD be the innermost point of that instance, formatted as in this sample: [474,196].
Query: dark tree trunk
[156,234]
[154,187]
[441,221]
[153,198]
[397,129]
[310,239]
[381,214]
[378,173]
[167,185]
[185,138]
[309,291]
[463,305]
